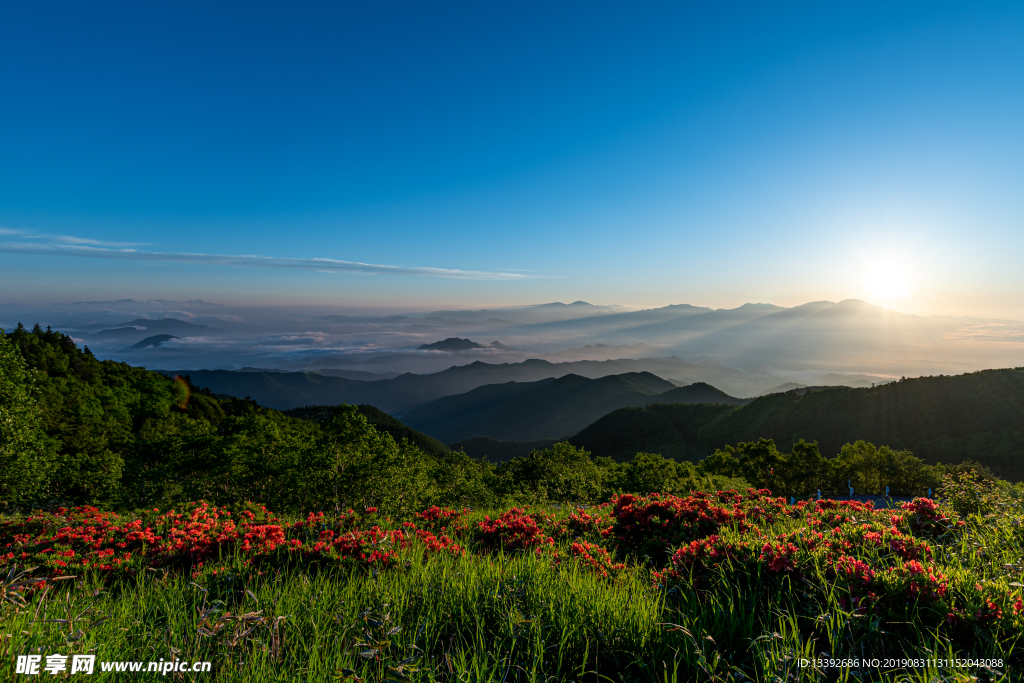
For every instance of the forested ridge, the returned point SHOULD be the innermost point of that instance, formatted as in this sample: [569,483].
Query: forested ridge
[380,420]
[977,416]
[79,430]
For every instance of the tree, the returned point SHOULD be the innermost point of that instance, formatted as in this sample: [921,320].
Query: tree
[801,472]
[460,481]
[26,454]
[758,462]
[352,465]
[653,473]
[870,469]
[562,474]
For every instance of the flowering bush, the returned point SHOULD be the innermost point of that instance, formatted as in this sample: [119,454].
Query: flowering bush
[886,562]
[442,519]
[692,560]
[439,544]
[83,538]
[515,530]
[834,513]
[652,525]
[877,561]
[77,540]
[340,540]
[582,525]
[852,572]
[778,557]
[923,516]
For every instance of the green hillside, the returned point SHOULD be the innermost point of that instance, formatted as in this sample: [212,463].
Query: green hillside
[76,430]
[380,420]
[977,416]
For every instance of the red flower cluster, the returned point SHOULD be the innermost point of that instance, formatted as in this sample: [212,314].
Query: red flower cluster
[441,519]
[778,557]
[596,558]
[917,581]
[439,544]
[83,538]
[834,513]
[515,530]
[341,541]
[853,572]
[654,524]
[582,525]
[922,516]
[697,556]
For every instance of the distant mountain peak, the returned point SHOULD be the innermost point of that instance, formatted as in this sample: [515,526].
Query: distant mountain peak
[151,342]
[451,344]
[459,344]
[559,304]
[759,305]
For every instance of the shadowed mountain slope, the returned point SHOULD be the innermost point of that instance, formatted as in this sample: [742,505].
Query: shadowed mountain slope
[949,419]
[699,392]
[547,409]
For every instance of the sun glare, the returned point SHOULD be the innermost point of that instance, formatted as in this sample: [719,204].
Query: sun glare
[888,283]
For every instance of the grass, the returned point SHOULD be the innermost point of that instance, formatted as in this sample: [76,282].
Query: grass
[536,616]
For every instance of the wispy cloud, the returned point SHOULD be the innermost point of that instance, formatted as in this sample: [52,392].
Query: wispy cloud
[38,238]
[73,246]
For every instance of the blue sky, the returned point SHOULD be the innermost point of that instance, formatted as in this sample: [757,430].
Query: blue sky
[708,153]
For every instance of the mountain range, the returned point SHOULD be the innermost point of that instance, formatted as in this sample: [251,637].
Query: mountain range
[283,390]
[822,335]
[766,344]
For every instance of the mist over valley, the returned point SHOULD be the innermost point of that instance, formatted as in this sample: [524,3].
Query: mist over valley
[745,351]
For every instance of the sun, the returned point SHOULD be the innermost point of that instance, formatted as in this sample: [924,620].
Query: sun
[888,283]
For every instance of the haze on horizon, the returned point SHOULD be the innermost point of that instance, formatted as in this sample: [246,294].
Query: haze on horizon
[401,157]
[743,351]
